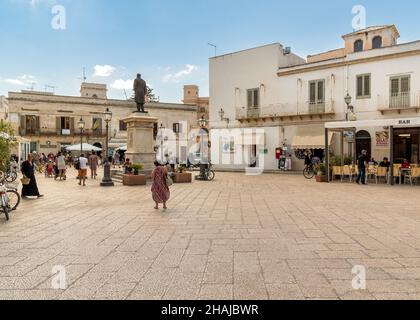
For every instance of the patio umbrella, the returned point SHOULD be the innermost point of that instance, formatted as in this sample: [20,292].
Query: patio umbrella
[85,147]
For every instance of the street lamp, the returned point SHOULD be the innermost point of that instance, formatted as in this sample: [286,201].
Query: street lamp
[202,122]
[81,124]
[107,181]
[161,129]
[348,100]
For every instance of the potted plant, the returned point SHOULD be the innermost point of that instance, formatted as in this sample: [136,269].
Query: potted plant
[136,167]
[135,179]
[181,176]
[320,170]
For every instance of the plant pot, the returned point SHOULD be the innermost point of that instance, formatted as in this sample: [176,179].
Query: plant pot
[185,177]
[134,180]
[321,178]
[136,172]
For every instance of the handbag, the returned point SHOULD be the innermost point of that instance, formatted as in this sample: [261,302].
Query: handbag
[169,181]
[25,180]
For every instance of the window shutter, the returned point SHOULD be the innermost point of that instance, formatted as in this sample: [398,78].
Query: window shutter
[256,98]
[249,98]
[22,125]
[321,91]
[72,125]
[37,125]
[312,92]
[395,86]
[367,86]
[359,86]
[58,125]
[175,128]
[405,84]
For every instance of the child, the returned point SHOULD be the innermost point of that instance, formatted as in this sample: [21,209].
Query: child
[50,169]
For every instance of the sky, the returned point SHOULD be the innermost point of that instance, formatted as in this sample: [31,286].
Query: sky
[47,43]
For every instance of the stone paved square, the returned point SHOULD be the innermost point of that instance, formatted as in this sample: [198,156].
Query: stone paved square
[238,237]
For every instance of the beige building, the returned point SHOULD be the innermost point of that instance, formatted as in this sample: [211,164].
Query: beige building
[50,122]
[192,96]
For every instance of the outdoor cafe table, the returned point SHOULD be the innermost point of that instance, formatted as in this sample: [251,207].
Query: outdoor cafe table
[403,171]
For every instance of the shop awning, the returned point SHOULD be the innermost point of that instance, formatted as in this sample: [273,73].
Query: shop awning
[310,138]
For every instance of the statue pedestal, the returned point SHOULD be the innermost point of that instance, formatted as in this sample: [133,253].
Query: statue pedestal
[140,140]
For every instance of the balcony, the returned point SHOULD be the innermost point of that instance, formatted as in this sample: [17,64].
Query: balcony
[287,112]
[316,107]
[62,133]
[399,100]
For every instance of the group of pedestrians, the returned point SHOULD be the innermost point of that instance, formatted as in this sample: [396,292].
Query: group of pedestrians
[160,177]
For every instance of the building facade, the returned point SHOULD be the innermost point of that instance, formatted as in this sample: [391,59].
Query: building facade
[192,97]
[50,122]
[284,101]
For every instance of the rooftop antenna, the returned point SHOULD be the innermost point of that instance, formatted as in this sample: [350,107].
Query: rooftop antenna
[125,93]
[52,88]
[84,75]
[215,48]
[32,87]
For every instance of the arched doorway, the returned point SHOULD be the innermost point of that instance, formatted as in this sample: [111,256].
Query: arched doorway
[363,142]
[98,145]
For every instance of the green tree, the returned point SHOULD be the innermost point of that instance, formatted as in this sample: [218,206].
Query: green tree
[150,94]
[6,130]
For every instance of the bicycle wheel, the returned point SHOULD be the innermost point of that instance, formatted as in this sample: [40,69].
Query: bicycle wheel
[308,173]
[14,199]
[210,175]
[6,212]
[11,176]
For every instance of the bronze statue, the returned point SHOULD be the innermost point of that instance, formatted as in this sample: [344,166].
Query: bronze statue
[140,91]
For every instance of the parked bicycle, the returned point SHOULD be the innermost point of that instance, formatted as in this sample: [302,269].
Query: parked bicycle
[309,171]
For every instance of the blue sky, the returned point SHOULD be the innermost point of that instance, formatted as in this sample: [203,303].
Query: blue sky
[166,40]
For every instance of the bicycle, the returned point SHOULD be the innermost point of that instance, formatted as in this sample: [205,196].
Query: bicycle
[309,171]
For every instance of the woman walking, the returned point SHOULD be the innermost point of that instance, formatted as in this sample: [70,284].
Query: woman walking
[28,170]
[160,190]
[93,164]
[61,166]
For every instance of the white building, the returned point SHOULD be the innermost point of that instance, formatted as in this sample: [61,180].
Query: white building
[291,99]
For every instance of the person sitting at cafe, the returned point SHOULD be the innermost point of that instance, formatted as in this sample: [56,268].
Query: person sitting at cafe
[385,164]
[405,164]
[373,162]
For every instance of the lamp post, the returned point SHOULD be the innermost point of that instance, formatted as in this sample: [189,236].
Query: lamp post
[81,124]
[203,153]
[348,100]
[161,129]
[107,181]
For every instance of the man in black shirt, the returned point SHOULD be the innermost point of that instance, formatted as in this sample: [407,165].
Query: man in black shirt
[362,163]
[385,164]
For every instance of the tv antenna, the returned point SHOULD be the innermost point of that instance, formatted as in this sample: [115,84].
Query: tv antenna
[83,78]
[125,93]
[215,48]
[32,87]
[51,88]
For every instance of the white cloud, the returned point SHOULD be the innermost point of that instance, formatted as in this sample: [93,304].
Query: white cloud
[121,84]
[103,70]
[23,80]
[176,77]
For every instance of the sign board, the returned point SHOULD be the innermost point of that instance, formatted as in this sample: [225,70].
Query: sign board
[382,139]
[349,136]
[66,132]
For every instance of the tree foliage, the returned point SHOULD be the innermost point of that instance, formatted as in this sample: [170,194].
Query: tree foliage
[5,144]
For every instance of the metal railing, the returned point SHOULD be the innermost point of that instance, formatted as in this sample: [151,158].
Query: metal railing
[316,107]
[399,100]
[49,132]
[248,113]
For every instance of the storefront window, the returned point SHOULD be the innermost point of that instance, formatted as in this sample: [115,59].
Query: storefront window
[406,145]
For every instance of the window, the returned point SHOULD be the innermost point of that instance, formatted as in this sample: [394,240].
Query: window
[316,92]
[123,126]
[177,127]
[253,98]
[97,125]
[377,42]
[358,45]
[363,86]
[31,124]
[65,125]
[400,92]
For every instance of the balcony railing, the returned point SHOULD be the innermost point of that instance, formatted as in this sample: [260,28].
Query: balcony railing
[399,100]
[248,113]
[316,107]
[62,133]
